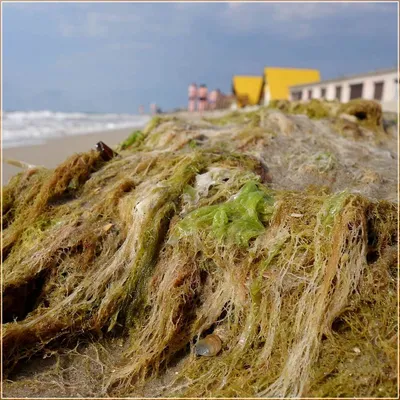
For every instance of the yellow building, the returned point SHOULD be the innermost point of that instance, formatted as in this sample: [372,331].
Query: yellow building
[274,85]
[248,90]
[278,80]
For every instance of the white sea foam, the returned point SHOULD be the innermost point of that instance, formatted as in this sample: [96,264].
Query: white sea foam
[33,127]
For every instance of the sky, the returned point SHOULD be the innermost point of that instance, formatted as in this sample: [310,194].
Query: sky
[112,57]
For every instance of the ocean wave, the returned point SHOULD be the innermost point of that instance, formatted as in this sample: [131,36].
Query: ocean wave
[30,127]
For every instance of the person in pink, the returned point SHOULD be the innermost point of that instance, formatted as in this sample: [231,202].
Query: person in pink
[153,108]
[212,99]
[202,93]
[192,92]
[141,110]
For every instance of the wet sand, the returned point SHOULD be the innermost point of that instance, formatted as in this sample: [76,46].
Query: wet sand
[54,151]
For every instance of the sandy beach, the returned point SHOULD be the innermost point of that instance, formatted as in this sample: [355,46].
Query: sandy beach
[55,151]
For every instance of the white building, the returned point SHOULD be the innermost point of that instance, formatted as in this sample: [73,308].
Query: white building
[380,85]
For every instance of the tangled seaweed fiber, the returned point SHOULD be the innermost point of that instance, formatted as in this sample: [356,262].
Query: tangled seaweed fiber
[236,117]
[166,247]
[367,113]
[358,119]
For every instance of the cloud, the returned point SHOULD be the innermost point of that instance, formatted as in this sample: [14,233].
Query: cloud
[94,24]
[136,20]
[293,20]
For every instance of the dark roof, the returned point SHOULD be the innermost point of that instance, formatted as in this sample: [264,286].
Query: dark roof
[342,78]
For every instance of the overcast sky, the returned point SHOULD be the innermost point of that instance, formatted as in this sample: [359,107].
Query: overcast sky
[112,57]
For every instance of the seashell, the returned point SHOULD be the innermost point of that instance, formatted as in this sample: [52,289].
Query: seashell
[106,152]
[209,346]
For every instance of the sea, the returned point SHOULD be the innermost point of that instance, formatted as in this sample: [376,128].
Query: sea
[23,128]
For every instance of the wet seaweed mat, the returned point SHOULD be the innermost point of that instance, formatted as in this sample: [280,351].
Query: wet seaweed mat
[128,263]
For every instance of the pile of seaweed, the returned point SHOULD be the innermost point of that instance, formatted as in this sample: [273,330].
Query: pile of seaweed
[350,119]
[180,236]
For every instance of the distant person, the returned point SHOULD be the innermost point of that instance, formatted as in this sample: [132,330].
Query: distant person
[141,110]
[192,94]
[202,104]
[153,108]
[212,99]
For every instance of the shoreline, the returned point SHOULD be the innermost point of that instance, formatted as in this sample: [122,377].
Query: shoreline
[56,150]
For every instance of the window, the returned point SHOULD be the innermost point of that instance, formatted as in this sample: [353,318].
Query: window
[338,94]
[309,94]
[356,91]
[378,90]
[297,95]
[323,93]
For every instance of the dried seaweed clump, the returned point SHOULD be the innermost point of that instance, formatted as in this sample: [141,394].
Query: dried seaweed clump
[236,117]
[283,105]
[367,112]
[163,248]
[314,109]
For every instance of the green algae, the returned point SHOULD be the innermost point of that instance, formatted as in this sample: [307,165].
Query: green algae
[238,220]
[134,139]
[193,144]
